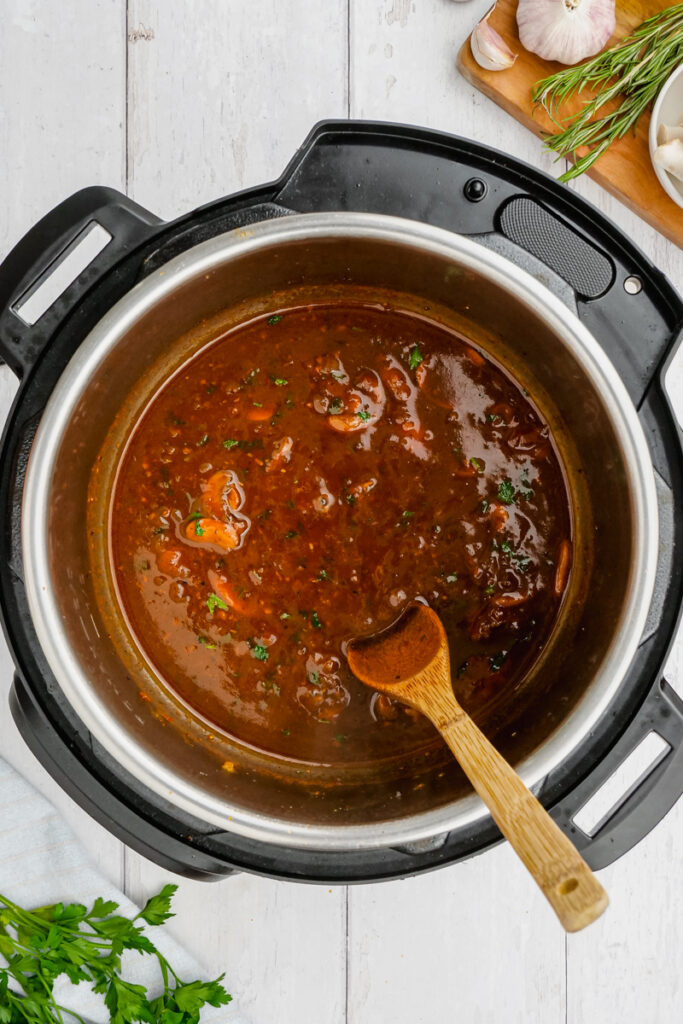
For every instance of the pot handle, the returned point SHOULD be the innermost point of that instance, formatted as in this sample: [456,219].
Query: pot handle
[34,260]
[649,798]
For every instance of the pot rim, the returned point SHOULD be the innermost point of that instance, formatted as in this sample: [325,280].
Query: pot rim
[199,260]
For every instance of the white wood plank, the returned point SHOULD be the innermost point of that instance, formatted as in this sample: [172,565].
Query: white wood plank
[282,945]
[62,99]
[475,942]
[403,68]
[221,95]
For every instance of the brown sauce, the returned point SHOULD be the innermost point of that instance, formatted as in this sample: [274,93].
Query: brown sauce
[303,479]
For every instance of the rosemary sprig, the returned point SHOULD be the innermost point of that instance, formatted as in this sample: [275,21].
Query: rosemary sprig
[632,72]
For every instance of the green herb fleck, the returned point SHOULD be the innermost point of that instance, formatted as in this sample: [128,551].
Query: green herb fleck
[285,615]
[230,443]
[280,382]
[205,642]
[291,534]
[213,601]
[506,492]
[478,465]
[490,590]
[497,660]
[285,732]
[363,415]
[314,678]
[323,575]
[160,529]
[338,375]
[335,407]
[317,624]
[341,737]
[416,357]
[351,499]
[259,405]
[406,514]
[272,320]
[251,376]
[258,651]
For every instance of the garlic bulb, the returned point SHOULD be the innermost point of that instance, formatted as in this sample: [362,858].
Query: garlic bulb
[670,157]
[489,49]
[565,30]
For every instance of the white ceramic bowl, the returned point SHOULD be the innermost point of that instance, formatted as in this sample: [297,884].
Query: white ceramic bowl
[668,110]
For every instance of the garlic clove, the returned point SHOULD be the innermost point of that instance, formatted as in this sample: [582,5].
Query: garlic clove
[669,132]
[670,157]
[565,30]
[488,47]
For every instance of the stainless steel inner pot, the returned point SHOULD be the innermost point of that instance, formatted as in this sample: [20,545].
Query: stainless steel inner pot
[177,310]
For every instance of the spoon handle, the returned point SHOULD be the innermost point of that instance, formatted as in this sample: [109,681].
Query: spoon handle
[569,885]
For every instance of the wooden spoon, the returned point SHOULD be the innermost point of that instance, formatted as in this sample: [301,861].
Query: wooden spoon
[410,662]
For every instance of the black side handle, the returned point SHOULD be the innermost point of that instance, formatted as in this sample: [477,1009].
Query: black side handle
[42,249]
[649,799]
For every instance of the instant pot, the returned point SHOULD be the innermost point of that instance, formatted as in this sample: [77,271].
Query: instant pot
[582,313]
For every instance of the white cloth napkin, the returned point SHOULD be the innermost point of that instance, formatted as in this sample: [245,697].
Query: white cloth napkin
[42,862]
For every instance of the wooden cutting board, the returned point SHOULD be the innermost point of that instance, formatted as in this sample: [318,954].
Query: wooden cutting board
[625,169]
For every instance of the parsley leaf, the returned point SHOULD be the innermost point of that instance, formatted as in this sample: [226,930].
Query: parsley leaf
[274,319]
[416,358]
[506,492]
[157,909]
[317,624]
[213,601]
[258,651]
[335,407]
[363,415]
[230,443]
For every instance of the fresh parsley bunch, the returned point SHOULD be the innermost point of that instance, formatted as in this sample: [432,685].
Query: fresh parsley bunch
[86,945]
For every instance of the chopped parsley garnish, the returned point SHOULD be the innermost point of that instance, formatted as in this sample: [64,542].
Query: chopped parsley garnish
[249,379]
[338,374]
[527,492]
[351,499]
[478,465]
[317,624]
[198,529]
[416,358]
[259,405]
[406,514]
[176,421]
[506,492]
[285,732]
[291,534]
[285,615]
[230,443]
[258,651]
[494,417]
[205,642]
[490,590]
[521,561]
[314,678]
[213,601]
[272,320]
[341,737]
[363,415]
[497,660]
[323,575]
[484,506]
[335,407]
[203,440]
[211,388]
[280,382]
[160,529]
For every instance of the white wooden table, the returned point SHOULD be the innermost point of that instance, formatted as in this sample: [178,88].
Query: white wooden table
[177,103]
